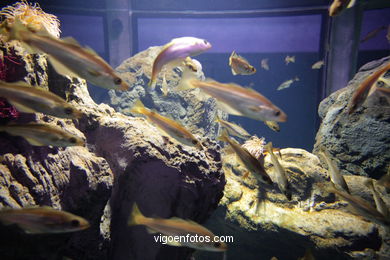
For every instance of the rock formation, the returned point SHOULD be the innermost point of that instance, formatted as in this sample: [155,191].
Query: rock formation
[194,113]
[264,223]
[360,141]
[125,160]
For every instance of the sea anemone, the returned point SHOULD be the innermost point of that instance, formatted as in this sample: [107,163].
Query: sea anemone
[32,16]
[255,146]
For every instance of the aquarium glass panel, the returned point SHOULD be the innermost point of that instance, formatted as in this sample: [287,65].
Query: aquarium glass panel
[257,38]
[373,41]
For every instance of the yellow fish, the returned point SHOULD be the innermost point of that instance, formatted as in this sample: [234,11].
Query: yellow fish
[68,57]
[272,125]
[28,99]
[250,162]
[233,129]
[240,66]
[43,135]
[318,65]
[281,177]
[167,125]
[40,220]
[183,229]
[289,59]
[236,100]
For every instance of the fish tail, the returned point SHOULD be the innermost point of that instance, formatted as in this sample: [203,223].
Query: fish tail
[136,216]
[138,107]
[152,82]
[223,136]
[217,119]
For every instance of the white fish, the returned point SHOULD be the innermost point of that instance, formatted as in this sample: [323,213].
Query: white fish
[318,65]
[287,83]
[264,64]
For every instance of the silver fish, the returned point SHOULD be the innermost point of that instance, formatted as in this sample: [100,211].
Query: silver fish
[380,204]
[281,177]
[287,83]
[43,135]
[272,125]
[177,50]
[237,100]
[251,163]
[318,65]
[265,64]
[289,59]
[362,206]
[180,228]
[68,57]
[28,99]
[334,172]
[40,220]
[233,129]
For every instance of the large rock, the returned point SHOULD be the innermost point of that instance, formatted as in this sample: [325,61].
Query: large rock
[264,223]
[196,113]
[125,160]
[359,142]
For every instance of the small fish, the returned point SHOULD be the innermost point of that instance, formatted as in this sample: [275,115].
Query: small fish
[176,51]
[192,64]
[240,66]
[236,100]
[287,83]
[68,57]
[28,99]
[373,33]
[335,176]
[361,93]
[289,59]
[318,65]
[43,135]
[251,163]
[338,6]
[272,125]
[379,203]
[362,206]
[40,220]
[233,129]
[265,64]
[178,227]
[281,177]
[167,125]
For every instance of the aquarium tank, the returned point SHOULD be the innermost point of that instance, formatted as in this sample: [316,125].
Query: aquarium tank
[197,130]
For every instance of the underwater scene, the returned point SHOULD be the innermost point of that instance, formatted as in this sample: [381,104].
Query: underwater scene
[195,130]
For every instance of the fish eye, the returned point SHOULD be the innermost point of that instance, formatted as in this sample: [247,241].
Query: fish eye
[380,84]
[75,223]
[68,111]
[217,244]
[277,113]
[117,81]
[205,42]
[72,140]
[194,141]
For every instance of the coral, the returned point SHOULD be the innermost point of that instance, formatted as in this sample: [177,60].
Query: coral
[32,16]
[255,146]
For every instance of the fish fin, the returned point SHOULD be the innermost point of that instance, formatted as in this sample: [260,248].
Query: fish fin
[95,73]
[91,51]
[60,68]
[296,78]
[351,4]
[136,216]
[245,175]
[269,148]
[228,109]
[71,40]
[138,107]
[223,135]
[34,142]
[233,72]
[217,119]
[21,108]
[231,57]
